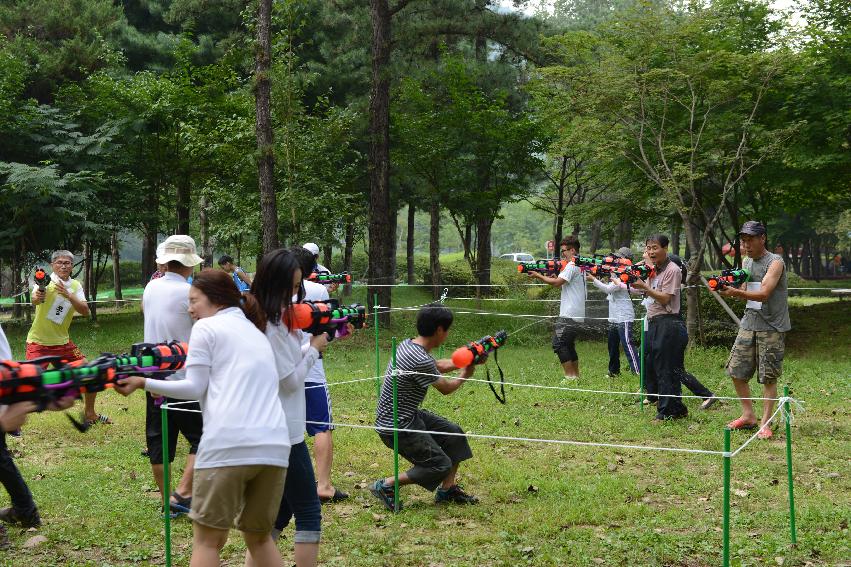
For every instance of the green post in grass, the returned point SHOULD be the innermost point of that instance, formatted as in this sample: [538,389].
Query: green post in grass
[787,417]
[166,485]
[726,525]
[377,354]
[395,435]
[641,365]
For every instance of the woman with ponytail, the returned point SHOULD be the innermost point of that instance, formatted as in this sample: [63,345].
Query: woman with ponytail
[277,287]
[244,453]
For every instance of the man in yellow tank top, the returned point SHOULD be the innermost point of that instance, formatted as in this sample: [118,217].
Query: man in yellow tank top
[55,308]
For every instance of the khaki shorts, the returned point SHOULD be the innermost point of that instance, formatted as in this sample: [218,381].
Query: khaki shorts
[246,497]
[760,351]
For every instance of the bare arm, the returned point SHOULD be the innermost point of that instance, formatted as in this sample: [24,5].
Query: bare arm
[769,283]
[555,282]
[448,385]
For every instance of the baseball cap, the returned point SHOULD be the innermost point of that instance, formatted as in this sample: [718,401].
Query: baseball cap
[312,248]
[624,252]
[753,228]
[180,248]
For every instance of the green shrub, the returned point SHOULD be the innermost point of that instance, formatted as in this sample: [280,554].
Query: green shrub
[130,271]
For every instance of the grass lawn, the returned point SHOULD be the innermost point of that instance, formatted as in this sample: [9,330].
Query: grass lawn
[541,504]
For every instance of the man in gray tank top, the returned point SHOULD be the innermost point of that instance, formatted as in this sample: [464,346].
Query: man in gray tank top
[759,345]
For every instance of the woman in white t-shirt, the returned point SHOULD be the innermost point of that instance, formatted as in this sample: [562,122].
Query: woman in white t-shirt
[292,363]
[244,453]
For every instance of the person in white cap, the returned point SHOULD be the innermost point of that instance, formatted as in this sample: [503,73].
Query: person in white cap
[313,248]
[165,306]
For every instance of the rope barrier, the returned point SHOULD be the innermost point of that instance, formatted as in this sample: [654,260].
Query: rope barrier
[524,439]
[608,392]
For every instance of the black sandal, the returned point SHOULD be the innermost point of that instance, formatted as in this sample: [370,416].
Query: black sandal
[181,505]
[339,496]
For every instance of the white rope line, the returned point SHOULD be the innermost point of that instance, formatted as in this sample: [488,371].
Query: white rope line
[494,314]
[88,302]
[699,286]
[527,439]
[526,299]
[589,391]
[319,385]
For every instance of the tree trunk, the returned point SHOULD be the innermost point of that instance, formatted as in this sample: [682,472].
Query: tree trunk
[410,244]
[675,236]
[434,248]
[559,224]
[596,228]
[17,277]
[263,126]
[625,233]
[348,247]
[483,255]
[149,249]
[116,265]
[381,237]
[806,267]
[692,292]
[184,194]
[204,221]
[88,279]
[327,255]
[468,241]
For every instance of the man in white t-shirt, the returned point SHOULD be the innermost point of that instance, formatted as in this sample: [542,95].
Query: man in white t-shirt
[318,400]
[571,309]
[165,305]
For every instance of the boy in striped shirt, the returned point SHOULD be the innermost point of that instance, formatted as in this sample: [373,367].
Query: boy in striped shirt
[435,457]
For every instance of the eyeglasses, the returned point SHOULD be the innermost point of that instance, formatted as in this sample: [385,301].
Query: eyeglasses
[65,263]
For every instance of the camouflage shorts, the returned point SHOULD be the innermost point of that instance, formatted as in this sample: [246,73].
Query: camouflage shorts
[760,351]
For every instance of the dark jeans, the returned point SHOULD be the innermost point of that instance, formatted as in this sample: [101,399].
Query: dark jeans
[621,334]
[10,476]
[300,498]
[686,378]
[666,345]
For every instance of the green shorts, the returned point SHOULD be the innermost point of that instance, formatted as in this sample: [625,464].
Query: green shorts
[760,351]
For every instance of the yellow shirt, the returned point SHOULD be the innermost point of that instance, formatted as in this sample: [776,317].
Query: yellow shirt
[53,316]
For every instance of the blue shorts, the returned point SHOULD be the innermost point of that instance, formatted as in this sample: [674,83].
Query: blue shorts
[317,407]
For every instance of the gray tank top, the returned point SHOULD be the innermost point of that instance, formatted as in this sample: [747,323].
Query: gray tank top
[774,315]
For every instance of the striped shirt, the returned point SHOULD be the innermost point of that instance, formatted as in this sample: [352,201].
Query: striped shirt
[418,372]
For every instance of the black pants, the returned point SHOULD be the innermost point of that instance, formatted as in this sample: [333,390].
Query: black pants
[666,342]
[431,454]
[10,476]
[687,379]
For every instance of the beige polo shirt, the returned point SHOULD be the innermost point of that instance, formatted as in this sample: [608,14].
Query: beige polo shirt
[668,281]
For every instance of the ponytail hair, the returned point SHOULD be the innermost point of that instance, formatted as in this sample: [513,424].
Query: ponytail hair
[221,290]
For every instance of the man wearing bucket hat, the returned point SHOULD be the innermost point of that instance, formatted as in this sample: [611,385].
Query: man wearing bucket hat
[760,343]
[165,306]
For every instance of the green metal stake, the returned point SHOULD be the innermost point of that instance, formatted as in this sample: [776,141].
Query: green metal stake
[726,526]
[395,435]
[787,418]
[377,354]
[641,368]
[166,486]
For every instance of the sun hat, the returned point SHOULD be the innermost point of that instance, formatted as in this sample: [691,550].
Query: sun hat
[312,248]
[180,248]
